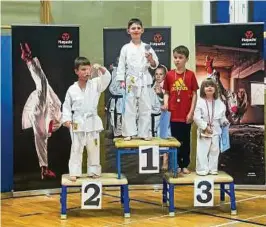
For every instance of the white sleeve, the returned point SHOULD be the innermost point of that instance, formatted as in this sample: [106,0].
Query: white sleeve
[198,118]
[104,80]
[67,107]
[155,58]
[121,69]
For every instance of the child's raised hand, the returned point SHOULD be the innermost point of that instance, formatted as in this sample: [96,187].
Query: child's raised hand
[157,89]
[149,57]
[96,66]
[122,84]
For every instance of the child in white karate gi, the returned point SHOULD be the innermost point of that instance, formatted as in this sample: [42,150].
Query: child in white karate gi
[209,116]
[157,94]
[81,117]
[115,103]
[135,59]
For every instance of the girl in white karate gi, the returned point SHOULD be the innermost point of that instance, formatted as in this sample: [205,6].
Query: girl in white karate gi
[135,59]
[116,103]
[209,116]
[81,117]
[157,101]
[42,111]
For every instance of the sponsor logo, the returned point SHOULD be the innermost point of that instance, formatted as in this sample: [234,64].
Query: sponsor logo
[65,41]
[249,39]
[157,40]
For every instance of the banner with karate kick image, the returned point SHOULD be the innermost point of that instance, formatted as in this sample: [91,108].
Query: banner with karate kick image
[43,70]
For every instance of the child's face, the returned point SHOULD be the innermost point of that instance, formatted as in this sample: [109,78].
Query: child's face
[159,75]
[209,90]
[83,72]
[135,31]
[180,60]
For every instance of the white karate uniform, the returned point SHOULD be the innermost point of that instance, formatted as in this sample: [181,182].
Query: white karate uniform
[80,107]
[116,103]
[156,103]
[208,149]
[42,107]
[133,69]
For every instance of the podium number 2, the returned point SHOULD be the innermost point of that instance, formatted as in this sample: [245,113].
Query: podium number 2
[148,159]
[203,192]
[91,195]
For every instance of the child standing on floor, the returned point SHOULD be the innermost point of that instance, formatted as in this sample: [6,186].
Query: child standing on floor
[157,94]
[135,59]
[209,116]
[81,117]
[180,98]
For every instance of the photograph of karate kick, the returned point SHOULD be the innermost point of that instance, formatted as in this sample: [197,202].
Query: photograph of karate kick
[135,92]
[41,77]
[42,111]
[237,67]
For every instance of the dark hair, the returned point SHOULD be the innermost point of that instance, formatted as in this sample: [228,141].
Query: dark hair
[182,50]
[134,21]
[163,68]
[206,83]
[81,61]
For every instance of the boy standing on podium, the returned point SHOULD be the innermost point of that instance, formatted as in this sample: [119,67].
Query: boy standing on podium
[180,99]
[81,117]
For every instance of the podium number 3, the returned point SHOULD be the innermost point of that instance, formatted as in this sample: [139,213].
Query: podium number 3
[203,192]
[91,195]
[207,185]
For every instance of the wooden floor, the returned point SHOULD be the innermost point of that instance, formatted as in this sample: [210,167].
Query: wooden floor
[146,210]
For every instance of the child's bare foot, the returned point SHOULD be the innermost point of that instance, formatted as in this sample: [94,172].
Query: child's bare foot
[127,138]
[165,162]
[186,171]
[73,178]
[94,176]
[165,166]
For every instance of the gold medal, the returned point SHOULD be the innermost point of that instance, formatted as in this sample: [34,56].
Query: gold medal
[75,126]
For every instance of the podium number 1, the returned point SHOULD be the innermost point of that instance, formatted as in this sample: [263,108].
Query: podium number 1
[149,159]
[91,195]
